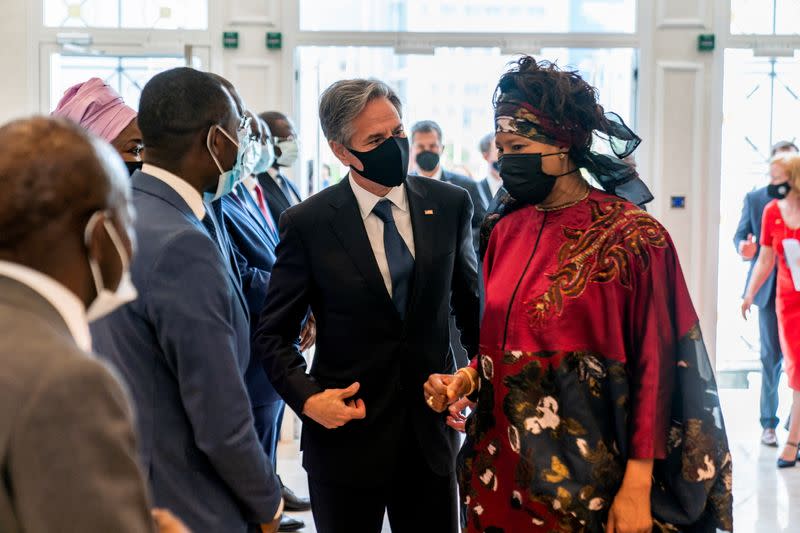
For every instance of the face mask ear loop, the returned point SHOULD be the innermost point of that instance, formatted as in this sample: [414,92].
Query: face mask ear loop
[87,239]
[208,144]
[112,232]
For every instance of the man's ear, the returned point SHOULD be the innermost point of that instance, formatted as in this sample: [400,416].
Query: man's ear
[345,156]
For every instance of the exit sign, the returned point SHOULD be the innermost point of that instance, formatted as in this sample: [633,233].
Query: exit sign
[230,39]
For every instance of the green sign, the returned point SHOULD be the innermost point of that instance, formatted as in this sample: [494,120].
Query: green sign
[230,39]
[274,40]
[705,42]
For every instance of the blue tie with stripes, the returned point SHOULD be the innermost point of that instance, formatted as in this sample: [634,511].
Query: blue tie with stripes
[401,262]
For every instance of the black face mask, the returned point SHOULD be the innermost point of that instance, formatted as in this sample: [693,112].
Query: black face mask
[428,161]
[387,164]
[524,179]
[133,166]
[496,166]
[779,191]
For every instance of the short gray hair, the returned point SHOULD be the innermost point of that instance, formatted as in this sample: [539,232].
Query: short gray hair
[343,101]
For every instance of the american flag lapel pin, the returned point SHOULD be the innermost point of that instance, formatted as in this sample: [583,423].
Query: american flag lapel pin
[429,211]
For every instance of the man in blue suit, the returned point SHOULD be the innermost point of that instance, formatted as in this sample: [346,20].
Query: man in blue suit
[746,241]
[253,239]
[183,346]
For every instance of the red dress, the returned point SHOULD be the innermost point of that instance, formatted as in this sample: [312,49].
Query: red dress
[787,302]
[590,354]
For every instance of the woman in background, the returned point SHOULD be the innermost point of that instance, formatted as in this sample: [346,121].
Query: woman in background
[780,230]
[100,109]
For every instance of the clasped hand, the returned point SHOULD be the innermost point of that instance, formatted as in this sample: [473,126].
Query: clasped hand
[332,409]
[442,390]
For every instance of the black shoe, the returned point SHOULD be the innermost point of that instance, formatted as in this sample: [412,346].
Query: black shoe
[788,464]
[290,524]
[293,502]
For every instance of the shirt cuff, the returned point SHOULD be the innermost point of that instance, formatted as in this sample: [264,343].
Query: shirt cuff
[280,510]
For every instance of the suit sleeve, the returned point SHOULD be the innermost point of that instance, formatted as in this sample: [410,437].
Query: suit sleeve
[199,340]
[255,281]
[281,320]
[745,226]
[72,460]
[478,214]
[465,297]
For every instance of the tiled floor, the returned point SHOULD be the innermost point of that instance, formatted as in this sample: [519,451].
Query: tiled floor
[766,500]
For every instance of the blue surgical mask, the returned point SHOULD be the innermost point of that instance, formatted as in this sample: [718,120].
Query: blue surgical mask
[267,158]
[248,153]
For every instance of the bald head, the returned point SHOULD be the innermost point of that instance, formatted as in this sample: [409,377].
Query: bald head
[240,107]
[52,172]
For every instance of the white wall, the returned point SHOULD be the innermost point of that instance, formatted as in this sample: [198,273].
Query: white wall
[17,62]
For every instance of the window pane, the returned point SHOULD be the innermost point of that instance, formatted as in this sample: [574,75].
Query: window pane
[453,87]
[760,108]
[524,16]
[157,14]
[767,17]
[128,75]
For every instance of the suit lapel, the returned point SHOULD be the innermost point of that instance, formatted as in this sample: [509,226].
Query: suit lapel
[348,226]
[423,221]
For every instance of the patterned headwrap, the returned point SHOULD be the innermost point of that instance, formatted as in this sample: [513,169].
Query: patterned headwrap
[97,108]
[611,173]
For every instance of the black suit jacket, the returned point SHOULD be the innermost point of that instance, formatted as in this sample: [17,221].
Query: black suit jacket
[479,210]
[325,260]
[750,223]
[277,202]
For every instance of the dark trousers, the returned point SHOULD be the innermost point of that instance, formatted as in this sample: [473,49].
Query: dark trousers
[771,358]
[268,427]
[416,499]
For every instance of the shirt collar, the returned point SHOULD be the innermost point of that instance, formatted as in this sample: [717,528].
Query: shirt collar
[68,305]
[438,174]
[250,182]
[367,201]
[189,194]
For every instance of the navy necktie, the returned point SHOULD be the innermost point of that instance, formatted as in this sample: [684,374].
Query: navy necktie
[401,262]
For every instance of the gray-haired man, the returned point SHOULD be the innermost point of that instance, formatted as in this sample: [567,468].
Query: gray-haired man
[377,258]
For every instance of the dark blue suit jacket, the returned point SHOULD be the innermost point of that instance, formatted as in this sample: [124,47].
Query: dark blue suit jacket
[182,347]
[254,248]
[750,223]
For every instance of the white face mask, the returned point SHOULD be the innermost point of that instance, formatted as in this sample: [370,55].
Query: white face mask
[107,301]
[267,158]
[247,156]
[290,151]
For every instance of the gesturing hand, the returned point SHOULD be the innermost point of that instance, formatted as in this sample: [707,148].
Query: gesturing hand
[748,248]
[332,409]
[167,522]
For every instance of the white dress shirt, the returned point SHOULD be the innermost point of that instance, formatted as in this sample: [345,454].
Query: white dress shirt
[64,300]
[189,194]
[494,184]
[436,175]
[374,225]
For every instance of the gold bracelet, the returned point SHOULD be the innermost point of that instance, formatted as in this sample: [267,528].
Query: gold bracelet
[471,376]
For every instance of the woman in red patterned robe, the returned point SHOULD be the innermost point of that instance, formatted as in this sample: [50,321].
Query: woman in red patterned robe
[597,408]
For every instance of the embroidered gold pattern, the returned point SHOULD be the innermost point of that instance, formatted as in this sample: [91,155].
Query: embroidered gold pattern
[618,236]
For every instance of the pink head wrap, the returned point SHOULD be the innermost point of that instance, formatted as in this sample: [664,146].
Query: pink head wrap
[97,107]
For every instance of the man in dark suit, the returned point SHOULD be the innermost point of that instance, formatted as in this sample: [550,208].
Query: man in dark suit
[281,193]
[492,183]
[67,447]
[183,346]
[377,257]
[746,241]
[426,153]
